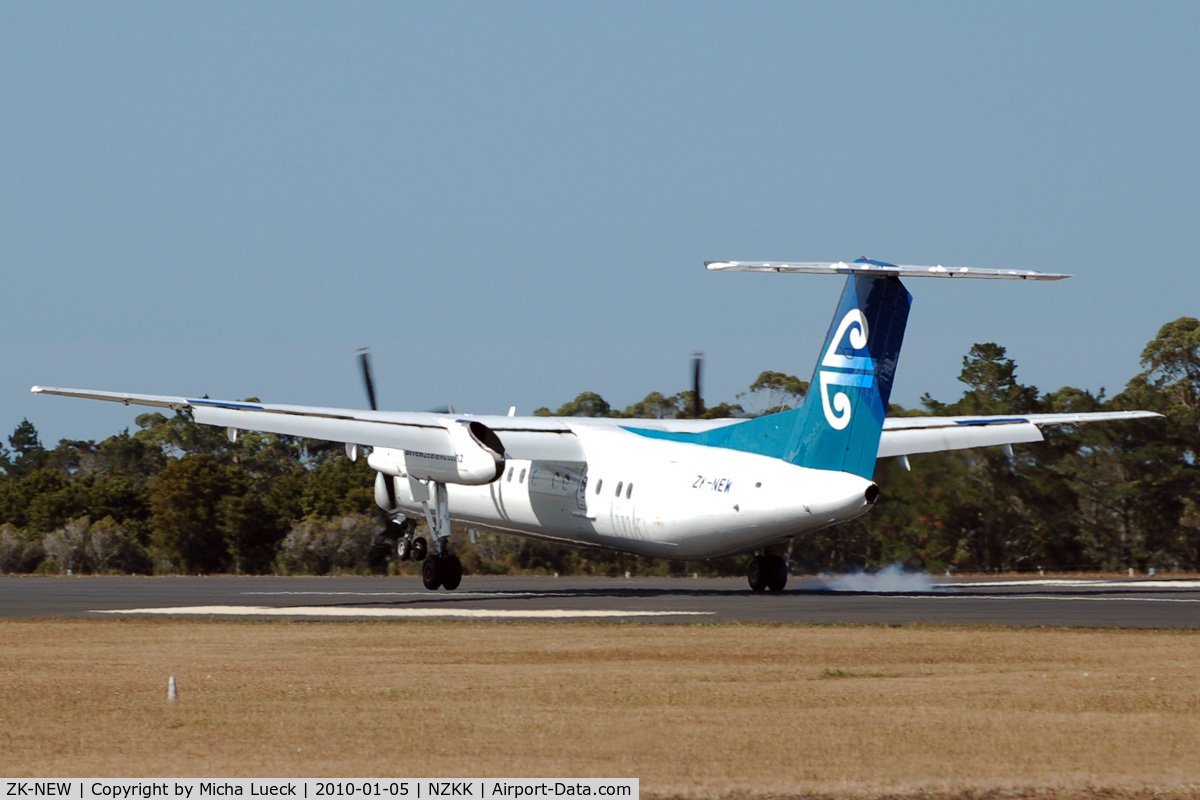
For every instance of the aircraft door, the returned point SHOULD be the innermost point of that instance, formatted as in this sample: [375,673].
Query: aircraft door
[581,492]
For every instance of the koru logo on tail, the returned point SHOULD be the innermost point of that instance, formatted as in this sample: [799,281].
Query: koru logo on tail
[840,367]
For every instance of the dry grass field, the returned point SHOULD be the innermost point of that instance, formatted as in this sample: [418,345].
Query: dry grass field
[691,710]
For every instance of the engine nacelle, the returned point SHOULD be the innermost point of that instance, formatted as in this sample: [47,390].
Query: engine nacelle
[475,457]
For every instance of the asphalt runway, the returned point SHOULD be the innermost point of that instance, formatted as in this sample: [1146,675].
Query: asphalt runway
[887,599]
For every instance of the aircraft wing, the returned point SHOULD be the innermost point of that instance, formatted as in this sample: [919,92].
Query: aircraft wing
[553,439]
[437,435]
[910,435]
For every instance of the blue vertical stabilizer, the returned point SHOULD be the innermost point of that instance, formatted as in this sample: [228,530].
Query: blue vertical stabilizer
[840,422]
[838,425]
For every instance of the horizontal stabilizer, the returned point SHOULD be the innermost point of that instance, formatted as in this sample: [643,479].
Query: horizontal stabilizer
[880,269]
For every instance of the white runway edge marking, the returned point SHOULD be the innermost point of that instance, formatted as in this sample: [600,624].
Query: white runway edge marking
[1131,585]
[426,593]
[1112,599]
[468,613]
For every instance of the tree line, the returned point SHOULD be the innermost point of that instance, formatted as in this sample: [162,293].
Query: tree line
[177,497]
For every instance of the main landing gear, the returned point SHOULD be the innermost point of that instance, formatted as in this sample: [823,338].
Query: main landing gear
[441,571]
[407,545]
[767,571]
[441,568]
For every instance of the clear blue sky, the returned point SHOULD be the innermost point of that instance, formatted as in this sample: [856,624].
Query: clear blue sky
[511,203]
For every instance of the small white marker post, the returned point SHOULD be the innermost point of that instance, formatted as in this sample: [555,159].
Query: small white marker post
[172,690]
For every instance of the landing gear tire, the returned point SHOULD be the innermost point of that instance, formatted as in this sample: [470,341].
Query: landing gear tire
[451,572]
[777,573]
[431,572]
[419,549]
[757,574]
[403,549]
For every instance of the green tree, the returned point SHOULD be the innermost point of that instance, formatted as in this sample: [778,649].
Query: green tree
[655,406]
[43,500]
[185,503]
[723,411]
[685,403]
[267,456]
[338,487]
[138,458]
[27,452]
[773,392]
[991,378]
[180,435]
[586,404]
[74,457]
[1172,362]
[252,529]
[1159,458]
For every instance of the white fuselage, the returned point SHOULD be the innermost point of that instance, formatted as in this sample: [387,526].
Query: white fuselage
[653,497]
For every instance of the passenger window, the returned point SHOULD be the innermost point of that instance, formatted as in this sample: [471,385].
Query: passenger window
[619,485]
[629,492]
[599,485]
[511,470]
[522,478]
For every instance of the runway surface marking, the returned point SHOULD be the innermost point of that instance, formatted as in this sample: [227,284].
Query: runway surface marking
[471,613]
[937,588]
[939,592]
[1058,597]
[480,595]
[1134,585]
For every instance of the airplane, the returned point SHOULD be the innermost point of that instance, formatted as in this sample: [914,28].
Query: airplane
[679,489]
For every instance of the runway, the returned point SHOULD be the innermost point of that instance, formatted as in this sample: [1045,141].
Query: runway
[1123,603]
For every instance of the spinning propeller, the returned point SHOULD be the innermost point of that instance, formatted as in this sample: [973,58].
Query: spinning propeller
[364,355]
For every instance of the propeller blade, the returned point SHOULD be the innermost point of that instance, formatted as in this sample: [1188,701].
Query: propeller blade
[697,402]
[389,483]
[364,354]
